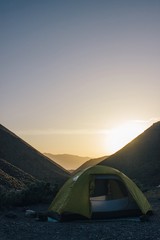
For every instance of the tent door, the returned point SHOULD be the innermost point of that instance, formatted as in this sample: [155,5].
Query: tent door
[108,194]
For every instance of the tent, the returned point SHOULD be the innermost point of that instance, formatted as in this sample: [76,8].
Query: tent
[99,192]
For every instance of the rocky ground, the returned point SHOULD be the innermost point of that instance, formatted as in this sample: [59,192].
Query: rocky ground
[14,225]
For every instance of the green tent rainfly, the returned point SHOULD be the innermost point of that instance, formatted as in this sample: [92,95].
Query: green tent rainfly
[100,191]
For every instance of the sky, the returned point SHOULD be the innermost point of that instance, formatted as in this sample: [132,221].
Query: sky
[79,77]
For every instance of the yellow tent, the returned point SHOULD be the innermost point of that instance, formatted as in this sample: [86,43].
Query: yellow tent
[86,193]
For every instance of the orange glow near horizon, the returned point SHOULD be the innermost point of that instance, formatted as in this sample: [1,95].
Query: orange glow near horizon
[93,143]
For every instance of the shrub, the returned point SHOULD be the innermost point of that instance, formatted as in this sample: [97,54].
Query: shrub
[36,192]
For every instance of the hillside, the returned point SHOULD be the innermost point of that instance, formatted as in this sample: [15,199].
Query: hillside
[13,177]
[67,161]
[20,154]
[140,159]
[90,163]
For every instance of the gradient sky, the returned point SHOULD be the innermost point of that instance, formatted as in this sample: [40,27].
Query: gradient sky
[79,77]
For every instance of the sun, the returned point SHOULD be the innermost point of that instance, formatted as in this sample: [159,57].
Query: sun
[120,136]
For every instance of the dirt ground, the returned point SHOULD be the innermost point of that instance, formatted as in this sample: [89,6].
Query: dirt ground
[14,225]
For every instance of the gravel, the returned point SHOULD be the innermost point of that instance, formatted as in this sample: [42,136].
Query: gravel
[15,226]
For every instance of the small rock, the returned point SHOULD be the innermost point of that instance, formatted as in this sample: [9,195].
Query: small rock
[30,213]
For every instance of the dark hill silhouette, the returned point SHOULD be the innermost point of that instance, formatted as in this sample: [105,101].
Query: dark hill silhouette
[20,154]
[140,159]
[13,177]
[90,163]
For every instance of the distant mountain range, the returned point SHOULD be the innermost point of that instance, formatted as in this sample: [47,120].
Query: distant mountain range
[68,161]
[140,159]
[26,158]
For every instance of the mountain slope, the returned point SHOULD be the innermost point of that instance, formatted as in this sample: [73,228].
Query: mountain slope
[90,163]
[13,177]
[67,161]
[20,154]
[140,159]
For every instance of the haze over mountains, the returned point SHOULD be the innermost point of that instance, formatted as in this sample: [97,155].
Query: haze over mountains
[140,159]
[23,156]
[68,161]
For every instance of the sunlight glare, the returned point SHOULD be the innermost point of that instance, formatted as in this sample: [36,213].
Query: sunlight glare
[122,135]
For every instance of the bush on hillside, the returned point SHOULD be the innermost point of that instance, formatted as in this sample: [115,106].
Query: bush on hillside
[37,192]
